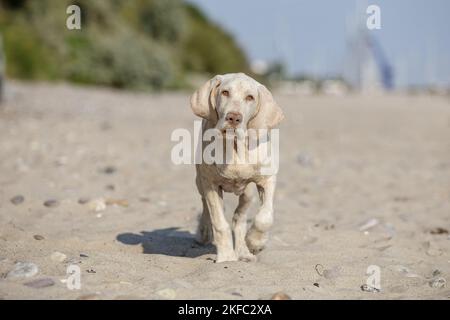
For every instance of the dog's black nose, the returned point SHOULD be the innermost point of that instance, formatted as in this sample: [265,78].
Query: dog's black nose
[234,118]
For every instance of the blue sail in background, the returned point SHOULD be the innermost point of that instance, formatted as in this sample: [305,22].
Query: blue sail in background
[385,69]
[367,68]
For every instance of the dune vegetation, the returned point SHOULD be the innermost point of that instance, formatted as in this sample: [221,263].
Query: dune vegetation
[139,44]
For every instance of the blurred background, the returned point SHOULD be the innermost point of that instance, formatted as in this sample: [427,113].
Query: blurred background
[297,46]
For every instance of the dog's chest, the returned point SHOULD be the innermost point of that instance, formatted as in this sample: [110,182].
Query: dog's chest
[235,186]
[235,177]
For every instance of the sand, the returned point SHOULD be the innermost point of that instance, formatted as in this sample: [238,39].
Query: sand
[363,181]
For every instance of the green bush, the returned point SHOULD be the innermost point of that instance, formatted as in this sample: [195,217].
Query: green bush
[121,62]
[126,44]
[210,49]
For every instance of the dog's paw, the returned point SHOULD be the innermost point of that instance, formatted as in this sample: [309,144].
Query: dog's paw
[224,257]
[245,255]
[248,258]
[256,241]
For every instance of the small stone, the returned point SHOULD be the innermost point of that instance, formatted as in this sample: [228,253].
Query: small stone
[438,283]
[73,261]
[16,200]
[52,203]
[367,288]
[109,170]
[167,293]
[97,205]
[91,270]
[38,237]
[83,200]
[436,273]
[118,202]
[23,270]
[58,256]
[439,230]
[40,283]
[369,224]
[280,296]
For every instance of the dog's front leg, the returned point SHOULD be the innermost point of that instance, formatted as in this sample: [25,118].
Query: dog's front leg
[239,226]
[257,235]
[221,229]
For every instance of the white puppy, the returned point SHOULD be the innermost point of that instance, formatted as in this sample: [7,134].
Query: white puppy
[235,102]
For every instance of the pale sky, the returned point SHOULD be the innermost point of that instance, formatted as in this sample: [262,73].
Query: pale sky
[310,36]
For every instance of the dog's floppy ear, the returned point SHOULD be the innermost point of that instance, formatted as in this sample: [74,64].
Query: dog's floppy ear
[268,114]
[203,101]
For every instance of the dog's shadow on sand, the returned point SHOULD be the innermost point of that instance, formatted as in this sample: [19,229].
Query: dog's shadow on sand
[168,241]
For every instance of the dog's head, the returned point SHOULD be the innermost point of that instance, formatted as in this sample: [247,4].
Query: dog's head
[236,101]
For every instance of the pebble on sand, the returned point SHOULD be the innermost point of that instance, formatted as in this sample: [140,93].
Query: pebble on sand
[16,200]
[109,170]
[167,293]
[52,203]
[439,230]
[369,224]
[38,237]
[438,283]
[280,296]
[367,288]
[117,202]
[83,200]
[97,205]
[40,283]
[58,256]
[23,270]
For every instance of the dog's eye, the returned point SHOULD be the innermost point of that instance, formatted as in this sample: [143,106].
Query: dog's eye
[249,98]
[225,93]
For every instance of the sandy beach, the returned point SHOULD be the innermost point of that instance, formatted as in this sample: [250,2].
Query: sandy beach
[86,179]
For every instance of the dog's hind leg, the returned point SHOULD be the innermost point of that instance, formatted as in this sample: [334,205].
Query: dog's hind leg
[204,231]
[239,225]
